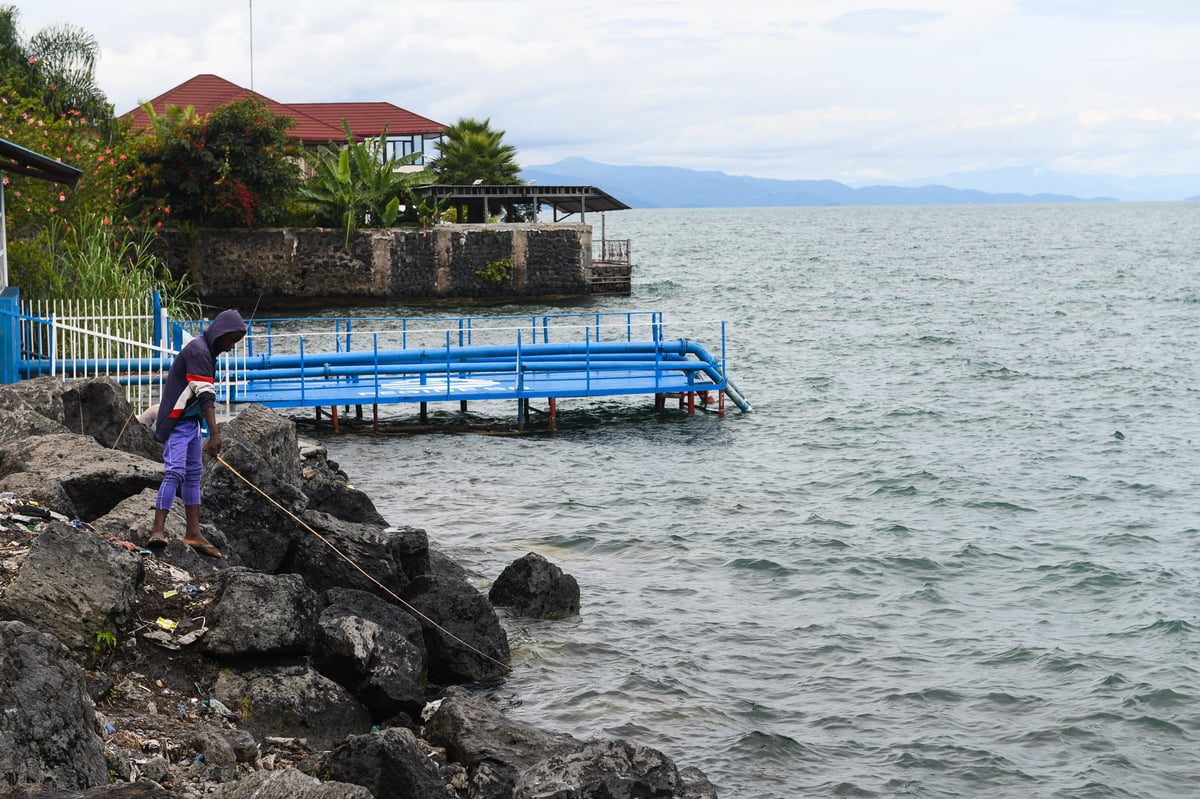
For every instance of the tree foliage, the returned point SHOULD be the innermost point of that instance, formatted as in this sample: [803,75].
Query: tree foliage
[57,66]
[234,167]
[471,151]
[40,214]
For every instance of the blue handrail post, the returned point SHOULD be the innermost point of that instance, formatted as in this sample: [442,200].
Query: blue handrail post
[302,370]
[520,376]
[520,384]
[724,370]
[156,310]
[375,360]
[10,334]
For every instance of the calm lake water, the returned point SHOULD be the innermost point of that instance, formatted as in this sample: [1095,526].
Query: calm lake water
[951,554]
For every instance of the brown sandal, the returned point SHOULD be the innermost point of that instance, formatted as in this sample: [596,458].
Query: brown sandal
[208,550]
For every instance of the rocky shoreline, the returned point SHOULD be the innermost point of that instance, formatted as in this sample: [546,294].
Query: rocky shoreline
[280,670]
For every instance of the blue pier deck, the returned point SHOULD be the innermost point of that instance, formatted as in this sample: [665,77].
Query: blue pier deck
[320,362]
[355,362]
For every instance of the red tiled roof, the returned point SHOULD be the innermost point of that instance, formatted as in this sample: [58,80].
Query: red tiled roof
[370,119]
[313,123]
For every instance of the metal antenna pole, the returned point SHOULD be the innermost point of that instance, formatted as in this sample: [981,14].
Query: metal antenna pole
[251,45]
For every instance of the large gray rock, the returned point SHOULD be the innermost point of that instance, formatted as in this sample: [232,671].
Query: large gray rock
[289,784]
[473,731]
[329,491]
[132,519]
[293,702]
[262,447]
[463,635]
[73,584]
[256,614]
[142,789]
[533,586]
[20,422]
[43,395]
[366,546]
[602,770]
[389,763]
[376,649]
[95,477]
[97,407]
[48,723]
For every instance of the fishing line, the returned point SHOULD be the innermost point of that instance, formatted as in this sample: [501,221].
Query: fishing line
[360,569]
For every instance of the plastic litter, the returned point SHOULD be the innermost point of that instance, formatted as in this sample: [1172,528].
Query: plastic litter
[219,706]
[167,624]
[169,594]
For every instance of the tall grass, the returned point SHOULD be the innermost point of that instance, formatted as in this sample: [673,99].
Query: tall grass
[94,259]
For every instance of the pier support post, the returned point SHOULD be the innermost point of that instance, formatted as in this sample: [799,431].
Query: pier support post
[553,413]
[424,413]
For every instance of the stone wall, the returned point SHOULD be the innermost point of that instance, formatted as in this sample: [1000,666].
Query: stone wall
[286,267]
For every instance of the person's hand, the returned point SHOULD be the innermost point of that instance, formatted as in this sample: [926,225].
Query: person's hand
[213,445]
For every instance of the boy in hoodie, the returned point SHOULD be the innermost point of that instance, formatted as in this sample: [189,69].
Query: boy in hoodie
[188,396]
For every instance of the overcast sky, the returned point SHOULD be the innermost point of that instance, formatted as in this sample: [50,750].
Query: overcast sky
[859,92]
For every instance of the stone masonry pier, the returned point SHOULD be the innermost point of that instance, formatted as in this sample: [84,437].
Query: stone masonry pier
[306,267]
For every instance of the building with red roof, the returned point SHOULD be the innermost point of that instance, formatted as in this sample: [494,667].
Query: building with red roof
[314,124]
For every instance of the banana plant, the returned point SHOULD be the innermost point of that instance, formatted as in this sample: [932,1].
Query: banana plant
[357,185]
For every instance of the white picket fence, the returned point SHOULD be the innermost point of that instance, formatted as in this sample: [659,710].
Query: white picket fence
[119,339]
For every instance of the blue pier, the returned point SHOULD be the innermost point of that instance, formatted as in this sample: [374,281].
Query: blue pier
[357,362]
[319,362]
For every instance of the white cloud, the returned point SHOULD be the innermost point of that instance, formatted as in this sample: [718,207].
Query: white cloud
[829,89]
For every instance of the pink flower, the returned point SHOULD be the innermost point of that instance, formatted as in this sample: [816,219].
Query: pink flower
[62,198]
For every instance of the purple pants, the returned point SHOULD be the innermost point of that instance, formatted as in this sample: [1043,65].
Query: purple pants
[182,466]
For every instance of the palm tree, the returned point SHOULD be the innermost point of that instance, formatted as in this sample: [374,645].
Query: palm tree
[471,151]
[58,65]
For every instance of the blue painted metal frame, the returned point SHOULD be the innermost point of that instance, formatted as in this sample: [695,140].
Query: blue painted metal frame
[10,334]
[459,369]
[462,370]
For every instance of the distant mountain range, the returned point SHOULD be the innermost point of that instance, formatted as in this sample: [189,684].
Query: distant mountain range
[671,187]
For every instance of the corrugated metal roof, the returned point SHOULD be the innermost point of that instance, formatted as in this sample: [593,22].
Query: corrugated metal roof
[312,123]
[565,199]
[21,161]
